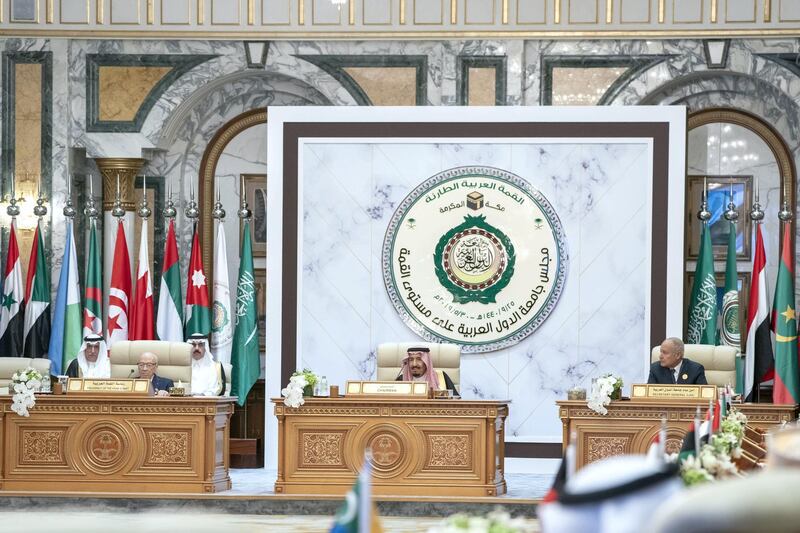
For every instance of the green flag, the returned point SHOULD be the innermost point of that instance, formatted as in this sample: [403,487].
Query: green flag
[244,355]
[703,302]
[787,372]
[729,332]
[93,294]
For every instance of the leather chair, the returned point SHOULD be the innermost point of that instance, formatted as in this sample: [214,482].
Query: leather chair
[9,365]
[719,361]
[446,357]
[228,377]
[174,359]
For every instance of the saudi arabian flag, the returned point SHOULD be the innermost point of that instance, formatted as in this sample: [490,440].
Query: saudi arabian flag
[729,332]
[65,335]
[703,303]
[169,321]
[244,355]
[787,377]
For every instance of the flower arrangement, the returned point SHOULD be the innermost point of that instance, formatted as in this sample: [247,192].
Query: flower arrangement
[497,521]
[300,384]
[715,460]
[604,389]
[23,384]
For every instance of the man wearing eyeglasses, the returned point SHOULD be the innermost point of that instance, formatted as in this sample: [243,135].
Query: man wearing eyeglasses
[148,366]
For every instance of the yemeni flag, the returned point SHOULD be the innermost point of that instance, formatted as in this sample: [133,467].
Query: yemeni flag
[65,334]
[787,371]
[37,300]
[11,306]
[198,314]
[245,354]
[703,303]
[119,293]
[142,312]
[758,350]
[93,295]
[729,332]
[221,330]
[169,324]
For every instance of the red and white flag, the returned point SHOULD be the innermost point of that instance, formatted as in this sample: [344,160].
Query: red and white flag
[142,312]
[120,291]
[758,349]
[11,304]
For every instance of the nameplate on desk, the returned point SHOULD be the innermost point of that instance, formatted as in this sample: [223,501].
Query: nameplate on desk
[651,391]
[131,387]
[387,388]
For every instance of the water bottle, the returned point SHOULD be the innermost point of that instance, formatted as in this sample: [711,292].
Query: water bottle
[323,387]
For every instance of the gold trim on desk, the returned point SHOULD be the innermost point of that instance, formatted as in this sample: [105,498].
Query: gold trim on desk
[692,393]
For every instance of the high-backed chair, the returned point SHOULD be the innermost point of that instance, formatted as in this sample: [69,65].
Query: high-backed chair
[719,361]
[228,377]
[9,365]
[174,359]
[446,357]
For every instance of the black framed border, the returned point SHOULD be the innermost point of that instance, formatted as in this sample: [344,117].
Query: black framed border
[464,63]
[335,65]
[293,132]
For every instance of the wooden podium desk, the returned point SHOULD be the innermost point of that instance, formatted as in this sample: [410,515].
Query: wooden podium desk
[419,446]
[631,425]
[114,443]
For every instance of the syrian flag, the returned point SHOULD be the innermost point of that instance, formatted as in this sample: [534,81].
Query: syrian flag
[142,312]
[93,295]
[758,350]
[120,290]
[221,331]
[198,314]
[170,307]
[65,334]
[11,314]
[37,300]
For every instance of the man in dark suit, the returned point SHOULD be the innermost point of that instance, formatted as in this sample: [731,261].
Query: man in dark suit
[673,368]
[148,366]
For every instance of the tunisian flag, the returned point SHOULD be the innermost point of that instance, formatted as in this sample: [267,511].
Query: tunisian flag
[120,290]
[142,313]
[759,361]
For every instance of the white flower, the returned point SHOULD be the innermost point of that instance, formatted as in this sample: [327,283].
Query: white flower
[22,378]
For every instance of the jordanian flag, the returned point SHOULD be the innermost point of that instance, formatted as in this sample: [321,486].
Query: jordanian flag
[37,300]
[245,357]
[93,295]
[198,313]
[65,336]
[11,318]
[787,370]
[169,324]
[703,303]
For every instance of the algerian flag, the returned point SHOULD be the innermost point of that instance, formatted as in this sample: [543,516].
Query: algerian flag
[703,303]
[245,356]
[729,332]
[169,324]
[221,331]
[93,293]
[65,337]
[11,306]
[37,296]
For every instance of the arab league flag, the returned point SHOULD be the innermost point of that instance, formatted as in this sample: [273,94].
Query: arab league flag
[703,303]
[787,380]
[221,331]
[37,300]
[245,357]
[169,324]
[729,332]
[11,316]
[198,314]
[65,335]
[119,293]
[758,350]
[93,294]
[142,311]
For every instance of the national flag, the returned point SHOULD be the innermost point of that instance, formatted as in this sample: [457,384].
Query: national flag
[729,330]
[221,330]
[786,389]
[198,314]
[702,327]
[65,334]
[688,448]
[142,310]
[758,350]
[169,325]
[358,514]
[11,307]
[245,356]
[119,293]
[37,300]
[560,480]
[93,293]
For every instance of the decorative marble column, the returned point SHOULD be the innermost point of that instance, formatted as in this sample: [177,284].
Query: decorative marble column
[127,169]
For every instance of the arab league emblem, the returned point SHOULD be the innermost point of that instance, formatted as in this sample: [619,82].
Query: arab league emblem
[475,256]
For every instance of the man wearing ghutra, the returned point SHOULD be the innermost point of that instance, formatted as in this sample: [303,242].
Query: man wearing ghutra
[417,366]
[208,376]
[92,360]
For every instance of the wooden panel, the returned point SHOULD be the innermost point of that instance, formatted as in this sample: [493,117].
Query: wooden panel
[687,11]
[276,12]
[479,11]
[740,10]
[635,11]
[583,11]
[377,12]
[531,11]
[225,12]
[125,11]
[176,12]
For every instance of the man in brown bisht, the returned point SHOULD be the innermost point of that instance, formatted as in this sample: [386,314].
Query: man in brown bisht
[417,366]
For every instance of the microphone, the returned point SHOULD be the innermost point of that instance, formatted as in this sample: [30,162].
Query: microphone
[130,374]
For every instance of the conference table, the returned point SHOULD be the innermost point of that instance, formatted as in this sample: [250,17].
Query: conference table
[116,443]
[420,447]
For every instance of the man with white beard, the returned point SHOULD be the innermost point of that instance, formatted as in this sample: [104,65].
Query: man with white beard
[208,376]
[92,360]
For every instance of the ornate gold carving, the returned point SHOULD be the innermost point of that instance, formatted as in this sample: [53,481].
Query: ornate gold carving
[42,446]
[601,447]
[423,411]
[673,445]
[321,449]
[40,408]
[141,409]
[168,447]
[127,168]
[387,450]
[354,411]
[105,446]
[450,451]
